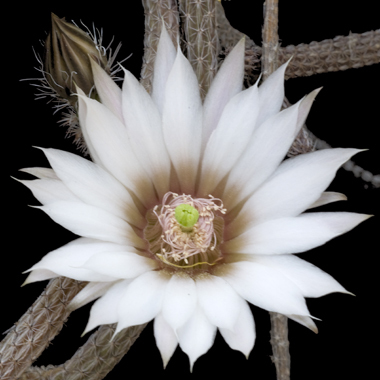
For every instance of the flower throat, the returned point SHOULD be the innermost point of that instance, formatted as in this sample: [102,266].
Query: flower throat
[184,232]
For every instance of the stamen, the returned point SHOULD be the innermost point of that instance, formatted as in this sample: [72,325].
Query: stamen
[188,226]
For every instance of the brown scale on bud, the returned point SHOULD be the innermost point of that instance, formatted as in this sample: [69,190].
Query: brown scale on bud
[67,59]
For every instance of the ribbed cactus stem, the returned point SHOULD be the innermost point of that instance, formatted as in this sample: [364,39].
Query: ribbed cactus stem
[94,360]
[269,63]
[202,43]
[156,11]
[337,54]
[37,327]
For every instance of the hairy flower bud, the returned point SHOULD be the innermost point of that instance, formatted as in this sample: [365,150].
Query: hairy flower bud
[67,58]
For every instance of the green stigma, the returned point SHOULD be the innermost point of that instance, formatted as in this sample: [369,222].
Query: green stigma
[186,216]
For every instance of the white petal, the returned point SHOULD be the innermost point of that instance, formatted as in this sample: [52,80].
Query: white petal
[226,84]
[43,173]
[142,300]
[219,302]
[166,339]
[108,90]
[143,122]
[92,222]
[272,94]
[328,197]
[311,280]
[49,190]
[294,186]
[40,275]
[304,110]
[196,336]
[294,234]
[120,264]
[265,287]
[94,185]
[110,140]
[105,309]
[182,121]
[266,149]
[65,261]
[165,57]
[304,321]
[90,292]
[179,301]
[230,138]
[242,338]
[82,116]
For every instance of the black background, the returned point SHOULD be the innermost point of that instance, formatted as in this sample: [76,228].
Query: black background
[345,114]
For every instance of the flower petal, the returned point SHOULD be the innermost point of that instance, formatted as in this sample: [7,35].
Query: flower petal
[108,90]
[227,83]
[111,143]
[304,321]
[165,57]
[82,116]
[120,264]
[90,292]
[312,281]
[166,339]
[243,336]
[266,149]
[94,185]
[328,197]
[265,287]
[49,190]
[143,122]
[286,192]
[272,94]
[294,234]
[182,121]
[179,301]
[142,300]
[66,261]
[105,309]
[39,275]
[92,222]
[42,173]
[227,144]
[196,336]
[219,302]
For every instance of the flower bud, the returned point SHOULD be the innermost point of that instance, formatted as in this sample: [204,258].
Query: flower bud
[67,59]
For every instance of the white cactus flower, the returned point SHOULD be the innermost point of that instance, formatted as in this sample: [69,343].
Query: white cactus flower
[188,210]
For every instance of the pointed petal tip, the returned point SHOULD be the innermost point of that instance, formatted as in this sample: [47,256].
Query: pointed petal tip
[362,218]
[39,207]
[79,91]
[165,361]
[241,41]
[239,47]
[314,329]
[314,93]
[70,308]
[247,355]
[87,329]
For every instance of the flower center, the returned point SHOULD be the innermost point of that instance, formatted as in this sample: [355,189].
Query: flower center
[186,232]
